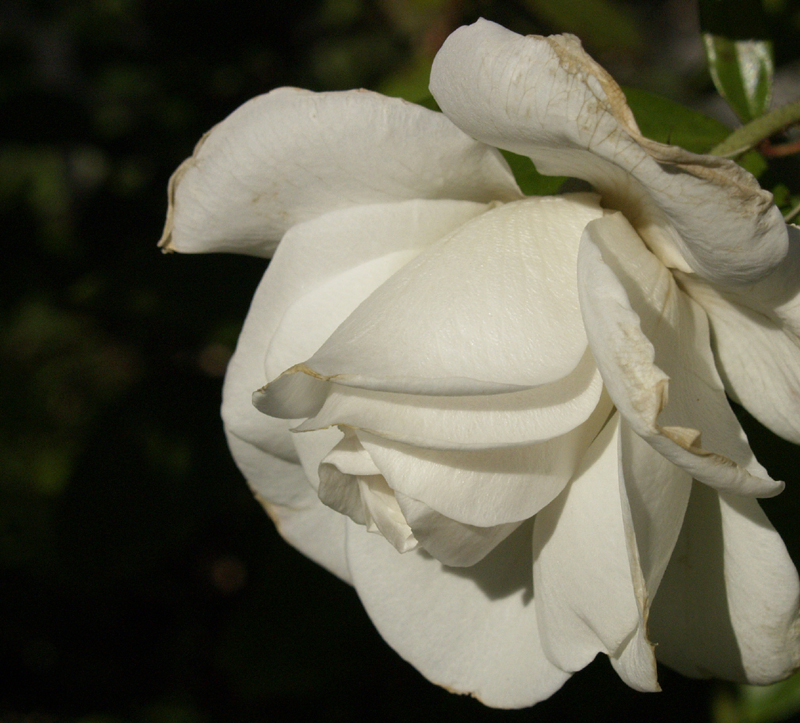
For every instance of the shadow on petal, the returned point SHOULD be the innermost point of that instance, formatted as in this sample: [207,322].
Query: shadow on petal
[505,570]
[690,620]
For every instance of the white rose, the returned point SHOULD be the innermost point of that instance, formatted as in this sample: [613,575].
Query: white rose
[482,378]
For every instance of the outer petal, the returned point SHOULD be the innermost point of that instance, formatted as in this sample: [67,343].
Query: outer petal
[470,630]
[292,155]
[755,332]
[546,98]
[514,315]
[647,336]
[728,604]
[316,531]
[586,600]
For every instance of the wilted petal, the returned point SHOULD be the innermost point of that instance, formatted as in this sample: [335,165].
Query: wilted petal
[647,337]
[547,99]
[292,155]
[585,593]
[755,333]
[470,630]
[728,604]
[501,289]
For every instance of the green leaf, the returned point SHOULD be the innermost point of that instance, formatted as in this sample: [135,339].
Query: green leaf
[531,182]
[666,121]
[742,71]
[757,704]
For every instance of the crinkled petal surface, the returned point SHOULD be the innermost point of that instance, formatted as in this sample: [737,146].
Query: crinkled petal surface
[649,337]
[547,99]
[728,604]
[470,630]
[755,332]
[292,155]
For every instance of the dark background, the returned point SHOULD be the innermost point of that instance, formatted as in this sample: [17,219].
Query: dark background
[139,581]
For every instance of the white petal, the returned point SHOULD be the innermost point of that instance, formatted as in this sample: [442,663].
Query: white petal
[546,98]
[312,255]
[755,337]
[656,493]
[264,451]
[491,308]
[451,542]
[317,531]
[453,422]
[292,155]
[470,630]
[485,487]
[351,484]
[728,604]
[647,337]
[586,601]
[244,425]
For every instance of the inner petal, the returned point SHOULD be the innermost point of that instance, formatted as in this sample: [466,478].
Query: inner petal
[494,302]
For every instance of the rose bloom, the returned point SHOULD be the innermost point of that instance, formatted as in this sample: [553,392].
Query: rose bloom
[503,419]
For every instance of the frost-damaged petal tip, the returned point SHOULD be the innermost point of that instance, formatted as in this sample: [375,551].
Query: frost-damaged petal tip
[547,99]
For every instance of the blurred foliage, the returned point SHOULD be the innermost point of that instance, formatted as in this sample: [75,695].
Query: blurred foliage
[140,580]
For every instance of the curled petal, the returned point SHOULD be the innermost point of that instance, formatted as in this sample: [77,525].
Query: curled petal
[455,422]
[292,155]
[352,484]
[647,337]
[451,542]
[547,99]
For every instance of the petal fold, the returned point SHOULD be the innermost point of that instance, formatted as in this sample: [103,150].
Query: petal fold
[447,422]
[485,487]
[586,599]
[648,337]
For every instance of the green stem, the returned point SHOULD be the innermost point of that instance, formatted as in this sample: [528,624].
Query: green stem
[750,135]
